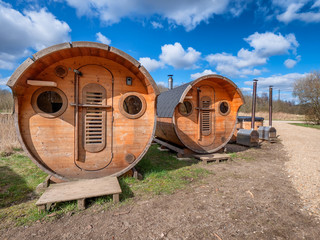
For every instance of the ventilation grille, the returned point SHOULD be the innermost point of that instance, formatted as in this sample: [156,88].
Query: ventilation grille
[94,98]
[206,117]
[93,126]
[94,118]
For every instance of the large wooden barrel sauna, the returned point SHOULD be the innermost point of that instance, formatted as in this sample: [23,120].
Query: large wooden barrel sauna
[200,115]
[84,110]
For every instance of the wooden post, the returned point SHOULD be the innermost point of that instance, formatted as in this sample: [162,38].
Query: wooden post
[76,117]
[82,204]
[116,198]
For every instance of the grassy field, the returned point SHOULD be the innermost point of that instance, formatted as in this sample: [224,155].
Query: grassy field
[162,174]
[306,125]
[277,116]
[8,136]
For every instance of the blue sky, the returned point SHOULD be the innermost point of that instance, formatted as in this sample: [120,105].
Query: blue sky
[274,41]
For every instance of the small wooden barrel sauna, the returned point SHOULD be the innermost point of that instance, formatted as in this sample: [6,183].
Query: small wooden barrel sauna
[200,115]
[84,110]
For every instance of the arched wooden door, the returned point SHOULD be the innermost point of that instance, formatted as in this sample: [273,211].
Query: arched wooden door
[93,117]
[206,115]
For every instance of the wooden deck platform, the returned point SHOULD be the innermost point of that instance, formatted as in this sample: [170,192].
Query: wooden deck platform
[184,155]
[214,157]
[79,190]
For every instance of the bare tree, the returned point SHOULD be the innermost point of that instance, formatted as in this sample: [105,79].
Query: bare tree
[307,89]
[162,88]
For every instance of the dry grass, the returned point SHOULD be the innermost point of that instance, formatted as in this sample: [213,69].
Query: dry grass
[277,116]
[8,136]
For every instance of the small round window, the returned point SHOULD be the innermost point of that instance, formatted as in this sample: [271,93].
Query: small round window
[49,102]
[224,108]
[132,105]
[185,108]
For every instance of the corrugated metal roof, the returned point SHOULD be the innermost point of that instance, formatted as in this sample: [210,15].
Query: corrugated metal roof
[167,101]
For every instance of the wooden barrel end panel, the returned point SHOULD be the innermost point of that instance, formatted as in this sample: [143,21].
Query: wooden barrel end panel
[106,122]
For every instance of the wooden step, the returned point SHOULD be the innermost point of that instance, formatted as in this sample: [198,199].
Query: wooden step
[79,190]
[216,157]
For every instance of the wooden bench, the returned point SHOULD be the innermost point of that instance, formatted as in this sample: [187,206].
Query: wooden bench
[79,190]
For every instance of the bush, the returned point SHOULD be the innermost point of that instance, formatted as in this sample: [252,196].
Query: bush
[6,101]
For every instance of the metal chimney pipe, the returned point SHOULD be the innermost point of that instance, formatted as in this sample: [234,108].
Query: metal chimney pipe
[170,81]
[270,106]
[254,100]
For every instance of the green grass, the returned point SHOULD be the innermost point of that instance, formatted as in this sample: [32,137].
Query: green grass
[162,174]
[18,178]
[306,125]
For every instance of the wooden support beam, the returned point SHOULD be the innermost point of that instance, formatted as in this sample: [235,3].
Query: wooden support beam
[41,83]
[168,145]
[116,198]
[91,105]
[81,204]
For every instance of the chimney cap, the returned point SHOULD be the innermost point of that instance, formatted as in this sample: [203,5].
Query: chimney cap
[170,75]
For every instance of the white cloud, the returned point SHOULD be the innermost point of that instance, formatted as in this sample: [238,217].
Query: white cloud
[270,44]
[151,64]
[174,55]
[103,39]
[186,13]
[162,83]
[284,82]
[31,29]
[3,81]
[264,46]
[290,63]
[295,11]
[200,74]
[246,89]
[156,25]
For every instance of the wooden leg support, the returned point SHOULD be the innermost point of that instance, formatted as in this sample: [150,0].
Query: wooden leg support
[116,198]
[82,204]
[42,208]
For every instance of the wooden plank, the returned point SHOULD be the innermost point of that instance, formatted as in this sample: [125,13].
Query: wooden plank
[81,189]
[91,105]
[168,145]
[217,157]
[41,83]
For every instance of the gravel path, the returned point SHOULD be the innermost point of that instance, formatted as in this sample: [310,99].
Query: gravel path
[302,146]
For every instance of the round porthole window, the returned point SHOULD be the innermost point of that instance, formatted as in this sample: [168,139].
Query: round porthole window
[224,108]
[132,105]
[49,102]
[185,108]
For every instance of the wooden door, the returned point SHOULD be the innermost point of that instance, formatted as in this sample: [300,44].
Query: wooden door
[94,131]
[206,115]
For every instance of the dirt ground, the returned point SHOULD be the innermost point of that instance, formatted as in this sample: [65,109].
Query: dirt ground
[303,166]
[252,197]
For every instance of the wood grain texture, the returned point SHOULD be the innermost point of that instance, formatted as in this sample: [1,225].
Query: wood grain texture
[186,130]
[51,142]
[80,189]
